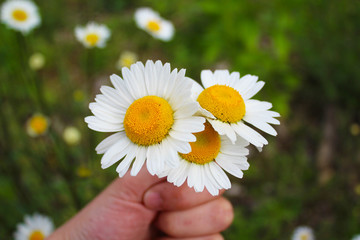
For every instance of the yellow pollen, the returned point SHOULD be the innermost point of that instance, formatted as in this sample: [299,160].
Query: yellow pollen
[38,124]
[224,102]
[148,120]
[206,148]
[20,15]
[92,39]
[304,237]
[36,235]
[153,26]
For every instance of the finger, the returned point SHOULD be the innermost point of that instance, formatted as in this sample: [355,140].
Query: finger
[132,188]
[167,197]
[117,206]
[209,218]
[208,237]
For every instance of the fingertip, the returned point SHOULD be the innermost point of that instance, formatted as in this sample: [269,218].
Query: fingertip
[166,196]
[153,200]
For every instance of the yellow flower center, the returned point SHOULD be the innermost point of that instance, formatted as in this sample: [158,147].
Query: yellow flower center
[206,147]
[224,102]
[153,26]
[38,124]
[92,39]
[20,15]
[148,120]
[304,237]
[36,235]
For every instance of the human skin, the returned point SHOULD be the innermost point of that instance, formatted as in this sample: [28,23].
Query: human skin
[147,207]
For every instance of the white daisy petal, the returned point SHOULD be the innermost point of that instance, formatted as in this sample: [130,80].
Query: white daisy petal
[186,110]
[179,146]
[223,129]
[139,161]
[229,167]
[196,89]
[99,125]
[256,105]
[221,77]
[219,176]
[190,125]
[254,90]
[245,83]
[124,165]
[115,153]
[186,137]
[207,78]
[105,115]
[249,134]
[262,125]
[105,144]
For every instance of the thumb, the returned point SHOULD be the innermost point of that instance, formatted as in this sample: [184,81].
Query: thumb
[114,211]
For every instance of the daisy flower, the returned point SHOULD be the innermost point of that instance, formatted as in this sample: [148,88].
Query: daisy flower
[35,227]
[20,15]
[72,135]
[126,60]
[37,125]
[151,111]
[36,61]
[93,35]
[357,237]
[204,166]
[150,21]
[226,103]
[303,233]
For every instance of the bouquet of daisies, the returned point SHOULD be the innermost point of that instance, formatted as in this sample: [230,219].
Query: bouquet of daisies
[179,129]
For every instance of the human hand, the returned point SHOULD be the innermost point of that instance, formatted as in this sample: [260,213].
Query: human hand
[148,207]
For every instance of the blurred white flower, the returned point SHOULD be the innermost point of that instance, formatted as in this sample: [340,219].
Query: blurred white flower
[93,35]
[303,233]
[37,125]
[150,21]
[35,227]
[20,15]
[357,237]
[226,102]
[71,135]
[37,61]
[126,60]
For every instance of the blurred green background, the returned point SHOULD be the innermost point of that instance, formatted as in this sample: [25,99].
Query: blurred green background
[306,51]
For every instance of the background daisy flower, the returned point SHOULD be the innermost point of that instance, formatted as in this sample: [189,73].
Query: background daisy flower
[37,125]
[35,227]
[20,15]
[150,21]
[226,103]
[357,237]
[37,61]
[204,166]
[303,233]
[71,135]
[93,35]
[151,111]
[126,60]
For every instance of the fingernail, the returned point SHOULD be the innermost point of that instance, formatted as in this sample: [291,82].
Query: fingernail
[153,200]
